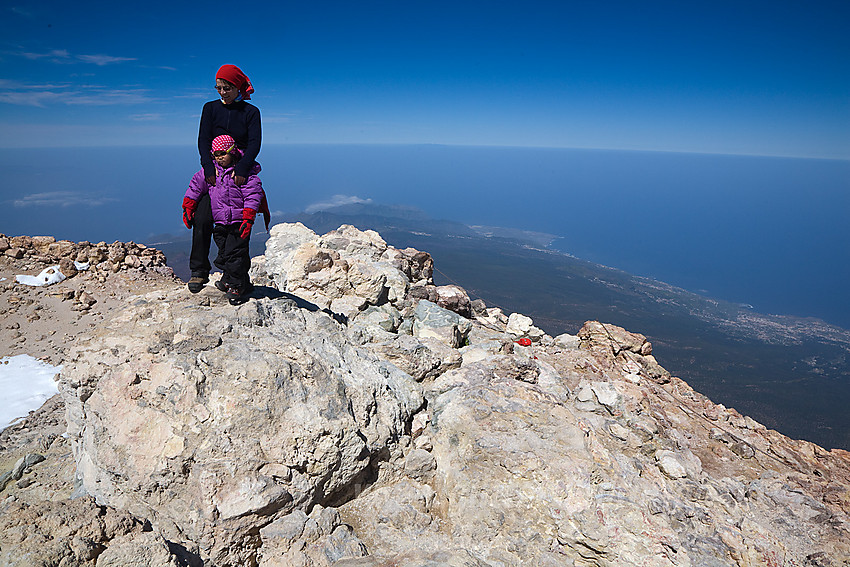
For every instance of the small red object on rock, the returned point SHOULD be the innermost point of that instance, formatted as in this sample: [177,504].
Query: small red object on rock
[524,342]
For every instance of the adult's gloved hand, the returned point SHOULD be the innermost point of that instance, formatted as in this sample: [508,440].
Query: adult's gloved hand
[189,208]
[248,216]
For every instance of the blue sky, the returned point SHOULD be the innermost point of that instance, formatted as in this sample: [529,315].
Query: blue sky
[755,77]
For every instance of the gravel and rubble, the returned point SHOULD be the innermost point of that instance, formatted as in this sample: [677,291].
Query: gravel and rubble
[42,321]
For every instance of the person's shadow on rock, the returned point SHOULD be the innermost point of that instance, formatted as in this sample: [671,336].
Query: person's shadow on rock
[272,293]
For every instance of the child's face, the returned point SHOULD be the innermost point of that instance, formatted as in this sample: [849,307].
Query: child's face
[223,159]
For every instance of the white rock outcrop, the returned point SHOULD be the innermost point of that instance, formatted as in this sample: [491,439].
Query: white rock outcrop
[213,422]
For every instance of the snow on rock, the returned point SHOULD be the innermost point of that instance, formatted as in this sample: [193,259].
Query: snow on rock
[26,383]
[47,276]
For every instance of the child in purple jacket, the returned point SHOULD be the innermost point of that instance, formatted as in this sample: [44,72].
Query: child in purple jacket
[234,208]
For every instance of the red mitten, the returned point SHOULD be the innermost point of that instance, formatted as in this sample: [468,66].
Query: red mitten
[189,208]
[248,216]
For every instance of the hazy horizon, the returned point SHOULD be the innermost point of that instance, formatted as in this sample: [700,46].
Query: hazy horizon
[63,145]
[770,232]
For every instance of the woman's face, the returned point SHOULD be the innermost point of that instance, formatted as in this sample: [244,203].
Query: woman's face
[226,91]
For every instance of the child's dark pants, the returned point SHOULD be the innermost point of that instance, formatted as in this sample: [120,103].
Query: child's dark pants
[233,257]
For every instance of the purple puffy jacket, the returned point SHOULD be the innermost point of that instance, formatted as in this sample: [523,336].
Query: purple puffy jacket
[226,197]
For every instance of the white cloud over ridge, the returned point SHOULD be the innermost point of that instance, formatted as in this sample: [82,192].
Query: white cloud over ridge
[63,56]
[102,60]
[62,199]
[45,94]
[55,55]
[336,201]
[149,117]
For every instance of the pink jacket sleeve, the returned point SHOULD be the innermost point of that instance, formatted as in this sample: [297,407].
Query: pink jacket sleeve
[197,186]
[252,192]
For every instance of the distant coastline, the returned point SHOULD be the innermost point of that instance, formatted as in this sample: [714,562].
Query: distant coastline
[765,231]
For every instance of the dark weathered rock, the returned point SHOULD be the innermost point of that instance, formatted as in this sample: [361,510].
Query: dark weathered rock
[67,532]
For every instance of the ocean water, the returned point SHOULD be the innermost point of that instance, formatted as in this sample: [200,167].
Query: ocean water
[769,232]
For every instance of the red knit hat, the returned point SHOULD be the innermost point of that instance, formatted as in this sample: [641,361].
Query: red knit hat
[234,75]
[225,143]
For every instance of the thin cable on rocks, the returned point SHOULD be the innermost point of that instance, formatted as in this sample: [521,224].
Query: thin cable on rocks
[475,296]
[683,404]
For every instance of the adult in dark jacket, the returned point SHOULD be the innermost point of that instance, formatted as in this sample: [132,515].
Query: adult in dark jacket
[231,115]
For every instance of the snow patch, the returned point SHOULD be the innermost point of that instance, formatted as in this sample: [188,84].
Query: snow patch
[47,276]
[26,383]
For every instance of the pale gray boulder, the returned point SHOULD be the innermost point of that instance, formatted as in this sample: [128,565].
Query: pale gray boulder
[433,321]
[221,421]
[345,270]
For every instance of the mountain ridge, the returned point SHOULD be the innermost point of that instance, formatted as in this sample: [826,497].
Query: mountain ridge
[353,412]
[792,373]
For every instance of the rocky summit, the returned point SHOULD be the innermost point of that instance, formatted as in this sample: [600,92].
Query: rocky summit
[352,413]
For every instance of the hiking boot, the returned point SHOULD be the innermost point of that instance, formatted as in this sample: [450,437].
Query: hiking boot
[236,297]
[197,283]
[220,285]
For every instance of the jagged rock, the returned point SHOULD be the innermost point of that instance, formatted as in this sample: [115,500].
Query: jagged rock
[614,346]
[67,267]
[423,291]
[567,341]
[348,305]
[385,316]
[417,266]
[419,464]
[46,250]
[525,477]
[317,540]
[432,321]
[42,243]
[284,240]
[346,269]
[521,326]
[454,298]
[395,514]
[61,249]
[14,252]
[145,549]
[615,338]
[479,308]
[277,434]
[71,533]
[21,241]
[421,358]
[132,261]
[194,405]
[21,466]
[97,254]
